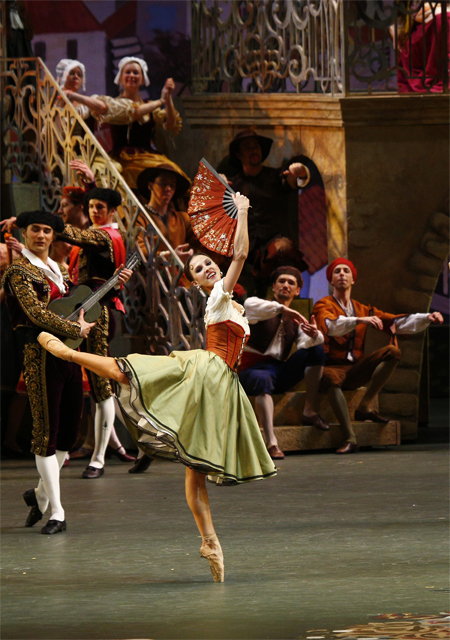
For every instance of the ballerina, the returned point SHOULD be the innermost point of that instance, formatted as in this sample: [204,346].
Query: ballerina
[189,406]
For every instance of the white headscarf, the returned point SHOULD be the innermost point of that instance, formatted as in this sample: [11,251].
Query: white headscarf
[65,66]
[139,61]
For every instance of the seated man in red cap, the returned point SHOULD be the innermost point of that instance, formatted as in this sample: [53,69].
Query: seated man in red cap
[344,321]
[269,228]
[267,366]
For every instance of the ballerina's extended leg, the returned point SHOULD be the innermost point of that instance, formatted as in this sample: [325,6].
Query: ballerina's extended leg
[104,367]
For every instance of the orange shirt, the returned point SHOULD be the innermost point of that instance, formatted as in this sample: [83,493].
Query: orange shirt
[337,347]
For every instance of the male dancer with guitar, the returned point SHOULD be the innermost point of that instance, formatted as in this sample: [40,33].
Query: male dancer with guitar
[100,252]
[31,282]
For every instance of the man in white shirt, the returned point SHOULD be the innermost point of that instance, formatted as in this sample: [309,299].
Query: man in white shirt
[267,367]
[344,321]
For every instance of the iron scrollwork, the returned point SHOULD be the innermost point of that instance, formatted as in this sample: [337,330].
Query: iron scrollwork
[41,134]
[325,46]
[262,46]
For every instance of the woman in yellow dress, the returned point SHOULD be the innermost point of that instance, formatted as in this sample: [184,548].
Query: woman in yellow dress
[189,406]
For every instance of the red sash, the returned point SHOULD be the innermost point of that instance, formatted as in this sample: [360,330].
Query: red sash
[119,259]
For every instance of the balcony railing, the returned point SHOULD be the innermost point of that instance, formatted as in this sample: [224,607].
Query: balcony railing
[317,46]
[40,135]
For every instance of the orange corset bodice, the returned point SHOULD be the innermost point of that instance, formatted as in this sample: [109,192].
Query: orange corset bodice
[226,340]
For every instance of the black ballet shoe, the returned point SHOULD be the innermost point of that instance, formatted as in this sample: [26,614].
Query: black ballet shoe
[141,464]
[92,472]
[54,526]
[35,513]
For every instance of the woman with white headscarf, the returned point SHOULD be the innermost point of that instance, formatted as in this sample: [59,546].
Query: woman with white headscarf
[133,122]
[71,76]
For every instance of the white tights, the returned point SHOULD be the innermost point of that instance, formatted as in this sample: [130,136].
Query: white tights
[104,422]
[48,487]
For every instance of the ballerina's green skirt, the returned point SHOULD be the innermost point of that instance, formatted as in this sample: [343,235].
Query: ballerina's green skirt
[190,407]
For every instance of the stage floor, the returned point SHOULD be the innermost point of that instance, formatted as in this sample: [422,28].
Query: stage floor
[320,551]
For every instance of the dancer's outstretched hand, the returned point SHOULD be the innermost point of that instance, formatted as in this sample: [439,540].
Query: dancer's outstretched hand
[294,315]
[169,86]
[310,328]
[183,251]
[242,202]
[85,172]
[372,321]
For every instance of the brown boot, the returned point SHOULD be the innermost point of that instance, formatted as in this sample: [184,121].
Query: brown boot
[53,345]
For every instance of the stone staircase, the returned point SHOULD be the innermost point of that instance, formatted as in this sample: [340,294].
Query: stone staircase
[292,436]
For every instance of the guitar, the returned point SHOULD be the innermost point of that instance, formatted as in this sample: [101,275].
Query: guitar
[82,297]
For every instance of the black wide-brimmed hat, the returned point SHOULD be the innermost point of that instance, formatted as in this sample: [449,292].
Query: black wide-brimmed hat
[264,143]
[112,197]
[40,217]
[151,173]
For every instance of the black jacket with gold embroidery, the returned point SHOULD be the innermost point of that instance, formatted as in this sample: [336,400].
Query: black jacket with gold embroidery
[96,258]
[27,295]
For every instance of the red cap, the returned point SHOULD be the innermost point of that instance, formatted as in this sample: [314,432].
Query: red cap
[335,263]
[76,194]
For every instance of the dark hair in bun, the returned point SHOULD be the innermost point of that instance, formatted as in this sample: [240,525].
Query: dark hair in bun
[187,270]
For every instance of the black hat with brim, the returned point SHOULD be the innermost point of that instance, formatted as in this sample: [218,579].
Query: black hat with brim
[112,197]
[151,173]
[40,217]
[264,143]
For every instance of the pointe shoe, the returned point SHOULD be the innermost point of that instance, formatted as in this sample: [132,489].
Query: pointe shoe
[213,553]
[53,345]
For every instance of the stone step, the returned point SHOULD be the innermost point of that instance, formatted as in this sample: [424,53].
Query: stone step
[369,434]
[288,407]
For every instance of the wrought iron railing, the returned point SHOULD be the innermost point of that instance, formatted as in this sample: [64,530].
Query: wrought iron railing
[41,133]
[325,46]
[261,45]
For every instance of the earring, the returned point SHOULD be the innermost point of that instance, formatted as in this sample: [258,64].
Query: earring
[197,286]
[221,274]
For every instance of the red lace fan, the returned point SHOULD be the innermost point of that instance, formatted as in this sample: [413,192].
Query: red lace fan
[212,210]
